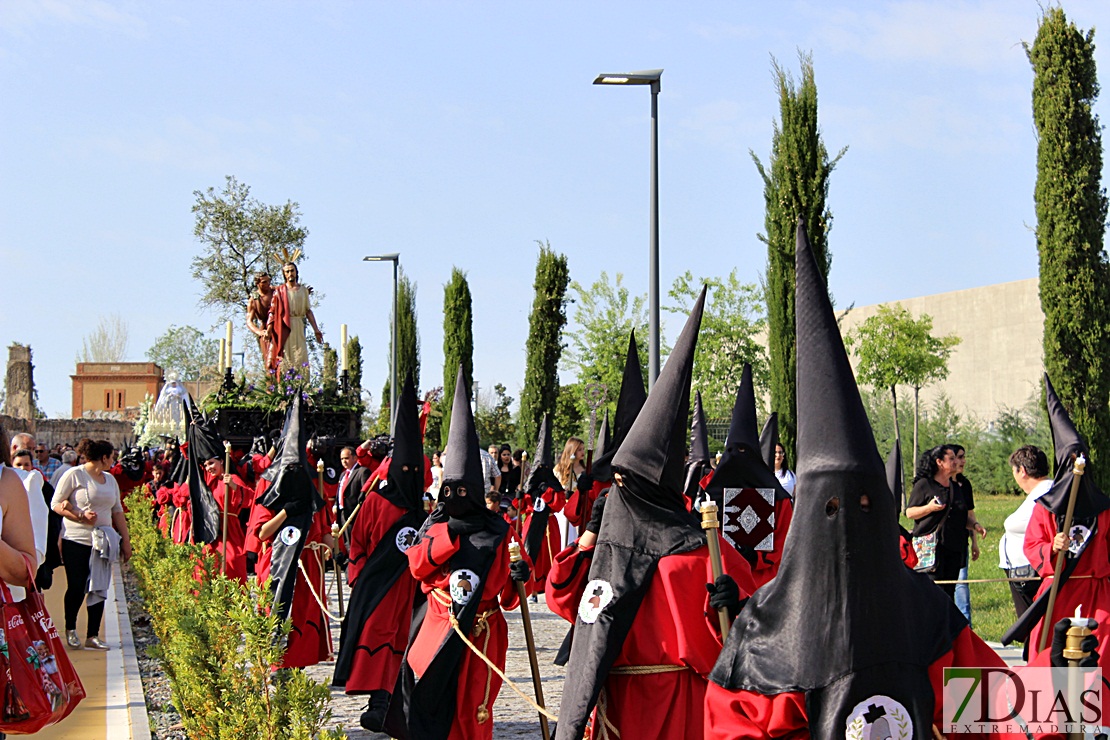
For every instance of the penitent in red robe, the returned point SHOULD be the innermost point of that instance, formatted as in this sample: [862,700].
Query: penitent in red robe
[581,505]
[552,541]
[236,567]
[673,627]
[489,633]
[384,635]
[1091,593]
[309,639]
[732,715]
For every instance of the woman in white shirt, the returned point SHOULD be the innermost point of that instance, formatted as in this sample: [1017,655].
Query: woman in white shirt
[782,470]
[87,497]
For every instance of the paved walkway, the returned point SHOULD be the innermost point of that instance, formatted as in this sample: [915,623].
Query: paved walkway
[114,708]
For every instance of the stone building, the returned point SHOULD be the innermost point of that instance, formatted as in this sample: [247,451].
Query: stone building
[19,383]
[114,389]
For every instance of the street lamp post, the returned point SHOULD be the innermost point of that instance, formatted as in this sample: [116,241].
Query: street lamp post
[648,77]
[395,258]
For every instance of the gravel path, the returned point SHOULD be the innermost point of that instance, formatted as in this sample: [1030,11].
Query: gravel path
[513,718]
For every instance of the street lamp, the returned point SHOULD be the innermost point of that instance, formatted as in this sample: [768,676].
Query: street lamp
[648,77]
[395,258]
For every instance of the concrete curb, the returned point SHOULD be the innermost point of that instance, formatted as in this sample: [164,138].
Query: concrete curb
[136,699]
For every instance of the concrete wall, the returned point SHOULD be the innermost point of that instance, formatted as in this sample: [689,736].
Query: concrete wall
[1000,360]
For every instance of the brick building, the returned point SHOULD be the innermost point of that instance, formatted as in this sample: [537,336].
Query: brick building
[114,389]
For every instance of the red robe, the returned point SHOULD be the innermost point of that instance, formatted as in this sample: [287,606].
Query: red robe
[674,627]
[181,528]
[489,632]
[744,714]
[236,567]
[278,327]
[580,505]
[552,541]
[1092,593]
[385,634]
[310,639]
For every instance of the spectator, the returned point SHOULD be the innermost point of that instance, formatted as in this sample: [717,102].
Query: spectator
[962,592]
[490,472]
[510,474]
[88,499]
[44,463]
[783,472]
[437,474]
[1030,468]
[17,543]
[69,459]
[33,484]
[21,441]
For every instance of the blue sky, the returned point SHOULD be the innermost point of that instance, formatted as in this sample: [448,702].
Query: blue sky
[461,133]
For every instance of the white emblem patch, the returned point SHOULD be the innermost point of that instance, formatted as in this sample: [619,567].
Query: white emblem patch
[1077,539]
[539,504]
[406,538]
[879,716]
[290,535]
[596,597]
[464,583]
[331,472]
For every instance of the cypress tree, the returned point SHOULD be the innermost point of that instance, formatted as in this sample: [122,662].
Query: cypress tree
[545,343]
[1071,214]
[408,346]
[458,342]
[796,184]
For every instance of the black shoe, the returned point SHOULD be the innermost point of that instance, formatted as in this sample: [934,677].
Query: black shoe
[373,718]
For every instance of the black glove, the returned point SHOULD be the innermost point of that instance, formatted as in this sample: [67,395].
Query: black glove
[725,594]
[520,572]
[1059,641]
[457,526]
[594,525]
[295,508]
[585,482]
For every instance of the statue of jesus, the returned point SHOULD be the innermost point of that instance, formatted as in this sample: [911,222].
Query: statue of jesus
[289,308]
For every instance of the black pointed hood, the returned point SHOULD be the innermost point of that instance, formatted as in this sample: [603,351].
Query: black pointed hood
[742,464]
[632,396]
[1068,444]
[655,449]
[541,473]
[292,487]
[841,559]
[204,444]
[645,519]
[604,438]
[463,466]
[405,488]
[769,439]
[697,464]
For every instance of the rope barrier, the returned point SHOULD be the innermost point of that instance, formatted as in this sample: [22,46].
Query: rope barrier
[315,547]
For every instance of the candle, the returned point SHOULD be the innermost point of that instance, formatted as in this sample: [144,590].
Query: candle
[221,355]
[343,348]
[228,351]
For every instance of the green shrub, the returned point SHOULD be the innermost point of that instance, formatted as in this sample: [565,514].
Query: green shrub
[217,642]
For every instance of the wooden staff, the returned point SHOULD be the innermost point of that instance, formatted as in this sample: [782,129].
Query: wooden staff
[227,502]
[520,495]
[1077,472]
[710,524]
[335,544]
[537,684]
[351,518]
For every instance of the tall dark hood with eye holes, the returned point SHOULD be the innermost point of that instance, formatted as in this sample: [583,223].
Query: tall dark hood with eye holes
[844,620]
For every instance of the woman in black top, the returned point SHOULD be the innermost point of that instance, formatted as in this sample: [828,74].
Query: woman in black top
[510,475]
[936,505]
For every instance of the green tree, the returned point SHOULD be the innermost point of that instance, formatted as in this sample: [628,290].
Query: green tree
[458,343]
[408,345]
[895,349]
[795,185]
[1071,218]
[730,323]
[186,351]
[570,420]
[545,343]
[604,314]
[240,236]
[493,419]
[354,365]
